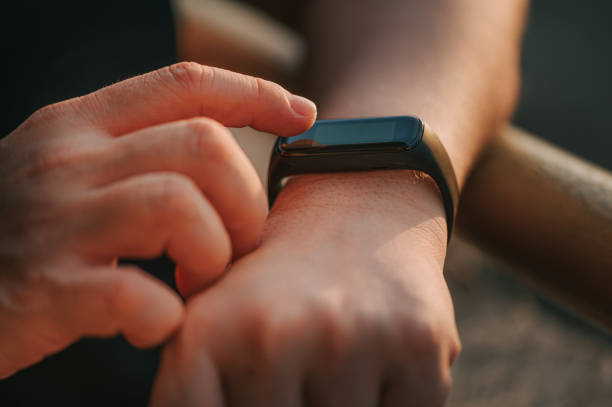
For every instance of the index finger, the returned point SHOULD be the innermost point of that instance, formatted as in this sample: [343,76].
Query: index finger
[187,90]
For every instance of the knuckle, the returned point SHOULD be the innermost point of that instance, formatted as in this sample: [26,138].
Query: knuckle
[426,339]
[206,137]
[174,193]
[55,112]
[70,112]
[265,89]
[203,125]
[270,333]
[48,112]
[418,336]
[40,117]
[336,337]
[189,75]
[349,327]
[259,332]
[257,84]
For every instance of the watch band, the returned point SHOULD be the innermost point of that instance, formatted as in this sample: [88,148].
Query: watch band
[425,154]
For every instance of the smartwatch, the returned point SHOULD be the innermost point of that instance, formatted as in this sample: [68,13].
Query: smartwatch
[381,143]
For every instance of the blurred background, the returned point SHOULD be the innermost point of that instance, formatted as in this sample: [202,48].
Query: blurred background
[520,348]
[567,82]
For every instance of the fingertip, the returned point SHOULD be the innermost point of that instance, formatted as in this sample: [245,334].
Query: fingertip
[303,107]
[305,113]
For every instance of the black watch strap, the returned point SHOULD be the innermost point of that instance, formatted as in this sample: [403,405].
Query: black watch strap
[427,155]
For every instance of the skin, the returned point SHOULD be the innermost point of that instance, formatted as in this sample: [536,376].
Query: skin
[363,322]
[547,247]
[345,303]
[136,169]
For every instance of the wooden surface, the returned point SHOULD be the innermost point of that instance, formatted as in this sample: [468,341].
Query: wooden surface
[519,348]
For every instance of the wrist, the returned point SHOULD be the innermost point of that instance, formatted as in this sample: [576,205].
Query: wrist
[397,213]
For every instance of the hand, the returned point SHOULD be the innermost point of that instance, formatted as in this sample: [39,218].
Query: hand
[117,173]
[343,304]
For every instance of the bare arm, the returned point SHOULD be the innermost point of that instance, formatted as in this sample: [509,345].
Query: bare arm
[452,62]
[344,302]
[552,216]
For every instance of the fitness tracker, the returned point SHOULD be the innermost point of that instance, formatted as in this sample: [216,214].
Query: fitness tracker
[382,143]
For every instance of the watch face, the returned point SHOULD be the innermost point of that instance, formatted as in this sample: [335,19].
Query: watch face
[384,133]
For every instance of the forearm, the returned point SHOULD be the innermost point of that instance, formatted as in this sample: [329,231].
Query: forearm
[364,213]
[452,62]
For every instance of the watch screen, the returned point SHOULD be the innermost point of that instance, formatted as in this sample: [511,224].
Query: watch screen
[334,134]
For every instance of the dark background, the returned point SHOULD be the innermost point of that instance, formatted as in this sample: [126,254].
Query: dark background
[567,83]
[54,50]
[520,349]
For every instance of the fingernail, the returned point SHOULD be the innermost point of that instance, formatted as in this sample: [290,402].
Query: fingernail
[302,106]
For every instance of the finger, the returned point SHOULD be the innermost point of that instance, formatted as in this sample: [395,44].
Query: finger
[258,362]
[69,302]
[188,90]
[186,379]
[206,152]
[107,301]
[147,215]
